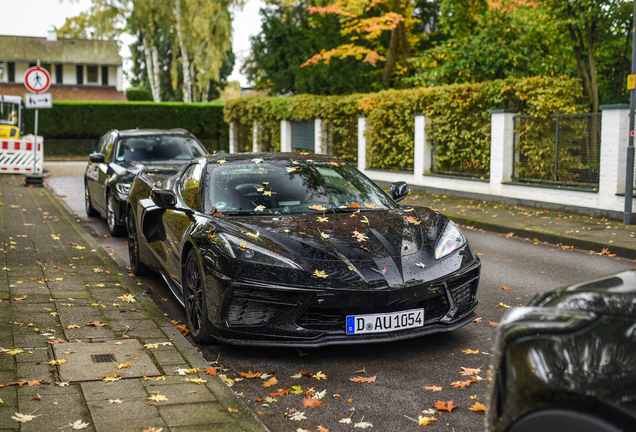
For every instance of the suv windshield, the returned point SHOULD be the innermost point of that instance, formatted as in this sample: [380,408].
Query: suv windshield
[158,147]
[289,186]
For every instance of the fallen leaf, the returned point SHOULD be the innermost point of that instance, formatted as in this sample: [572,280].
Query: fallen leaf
[371,206]
[232,410]
[321,428]
[469,351]
[359,236]
[492,323]
[280,393]
[95,324]
[124,365]
[270,382]
[363,379]
[362,425]
[317,207]
[183,329]
[58,362]
[296,390]
[78,424]
[296,415]
[345,420]
[252,235]
[250,374]
[503,305]
[322,219]
[115,401]
[445,406]
[311,402]
[507,288]
[478,320]
[228,381]
[462,384]
[433,388]
[320,274]
[221,161]
[259,208]
[128,298]
[15,351]
[197,380]
[469,371]
[477,406]
[23,418]
[425,421]
[319,376]
[413,220]
[324,235]
[210,371]
[157,398]
[111,378]
[420,265]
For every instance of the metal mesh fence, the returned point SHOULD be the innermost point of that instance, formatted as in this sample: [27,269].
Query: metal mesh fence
[562,150]
[461,152]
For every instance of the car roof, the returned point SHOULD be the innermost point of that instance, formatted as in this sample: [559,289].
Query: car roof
[271,156]
[139,132]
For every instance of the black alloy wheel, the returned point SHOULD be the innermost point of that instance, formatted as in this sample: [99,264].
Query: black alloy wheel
[194,296]
[137,267]
[111,218]
[90,210]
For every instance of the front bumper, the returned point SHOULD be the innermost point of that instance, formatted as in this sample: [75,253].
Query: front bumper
[262,315]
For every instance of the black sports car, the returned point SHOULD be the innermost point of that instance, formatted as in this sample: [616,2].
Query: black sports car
[298,250]
[567,362]
[120,156]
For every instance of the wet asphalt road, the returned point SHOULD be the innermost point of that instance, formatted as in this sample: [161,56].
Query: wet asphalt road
[401,369]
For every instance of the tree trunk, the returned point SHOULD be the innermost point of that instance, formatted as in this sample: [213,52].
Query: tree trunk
[390,62]
[406,50]
[151,69]
[185,60]
[156,72]
[592,63]
[206,91]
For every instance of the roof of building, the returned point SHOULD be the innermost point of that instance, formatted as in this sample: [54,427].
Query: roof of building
[70,92]
[62,50]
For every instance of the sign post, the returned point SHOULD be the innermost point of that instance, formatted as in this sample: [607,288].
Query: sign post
[37,80]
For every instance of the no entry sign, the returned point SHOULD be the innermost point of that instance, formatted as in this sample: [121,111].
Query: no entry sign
[37,80]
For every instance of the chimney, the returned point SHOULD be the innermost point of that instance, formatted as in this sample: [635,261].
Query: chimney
[51,34]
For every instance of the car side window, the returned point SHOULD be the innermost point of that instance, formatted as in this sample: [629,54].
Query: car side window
[189,186]
[108,147]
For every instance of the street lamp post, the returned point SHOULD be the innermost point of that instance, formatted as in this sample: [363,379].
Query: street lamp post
[629,175]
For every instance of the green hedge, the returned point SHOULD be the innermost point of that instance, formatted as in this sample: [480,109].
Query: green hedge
[451,111]
[72,121]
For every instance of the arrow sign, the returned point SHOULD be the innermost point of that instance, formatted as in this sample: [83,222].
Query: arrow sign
[42,100]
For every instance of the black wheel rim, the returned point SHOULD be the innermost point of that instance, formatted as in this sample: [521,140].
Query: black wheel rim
[133,252]
[194,298]
[111,213]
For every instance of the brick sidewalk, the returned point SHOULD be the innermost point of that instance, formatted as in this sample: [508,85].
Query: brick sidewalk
[55,281]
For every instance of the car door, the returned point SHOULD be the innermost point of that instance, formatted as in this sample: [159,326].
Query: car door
[92,170]
[177,221]
[103,172]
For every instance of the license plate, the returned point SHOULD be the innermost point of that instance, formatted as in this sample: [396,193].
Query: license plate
[385,322]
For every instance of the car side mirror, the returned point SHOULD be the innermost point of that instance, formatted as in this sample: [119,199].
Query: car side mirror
[97,157]
[399,190]
[164,199]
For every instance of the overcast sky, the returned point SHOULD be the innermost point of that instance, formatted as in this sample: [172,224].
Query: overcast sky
[34,17]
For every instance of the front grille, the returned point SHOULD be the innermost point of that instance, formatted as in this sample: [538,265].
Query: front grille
[248,312]
[464,291]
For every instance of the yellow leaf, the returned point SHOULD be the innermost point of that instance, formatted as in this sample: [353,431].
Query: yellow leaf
[128,298]
[322,219]
[157,398]
[319,376]
[477,406]
[320,274]
[58,362]
[470,351]
[196,380]
[317,207]
[270,382]
[124,365]
[253,236]
[221,161]
[425,421]
[111,378]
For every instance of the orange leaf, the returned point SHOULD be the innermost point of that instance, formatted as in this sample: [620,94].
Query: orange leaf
[312,402]
[183,329]
[469,371]
[280,393]
[477,406]
[354,205]
[494,324]
[363,379]
[250,374]
[445,406]
[258,400]
[270,382]
[478,319]
[58,340]
[95,323]
[433,388]
[469,351]
[413,220]
[462,384]
[210,371]
[507,288]
[371,206]
[304,372]
[317,207]
[321,428]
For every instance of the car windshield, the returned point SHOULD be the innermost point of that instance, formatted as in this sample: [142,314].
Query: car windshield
[288,186]
[158,148]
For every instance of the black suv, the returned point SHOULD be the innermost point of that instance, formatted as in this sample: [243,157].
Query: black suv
[120,156]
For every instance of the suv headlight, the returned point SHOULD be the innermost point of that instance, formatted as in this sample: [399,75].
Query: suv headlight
[123,188]
[451,239]
[250,252]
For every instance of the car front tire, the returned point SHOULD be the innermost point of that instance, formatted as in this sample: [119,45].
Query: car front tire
[137,267]
[111,218]
[194,299]
[90,210]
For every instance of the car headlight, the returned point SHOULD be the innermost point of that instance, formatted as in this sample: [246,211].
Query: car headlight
[123,188]
[250,252]
[451,239]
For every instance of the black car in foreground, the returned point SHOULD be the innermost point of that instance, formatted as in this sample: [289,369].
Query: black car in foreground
[120,156]
[298,250]
[567,362]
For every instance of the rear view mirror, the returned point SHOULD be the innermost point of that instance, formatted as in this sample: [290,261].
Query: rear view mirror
[399,190]
[96,158]
[164,198]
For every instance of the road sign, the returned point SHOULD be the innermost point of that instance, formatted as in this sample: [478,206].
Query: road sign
[37,80]
[42,100]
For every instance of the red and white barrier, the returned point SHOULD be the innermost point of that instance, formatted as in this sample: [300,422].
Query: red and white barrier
[16,156]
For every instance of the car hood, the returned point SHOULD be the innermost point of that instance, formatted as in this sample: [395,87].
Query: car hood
[614,295]
[381,246]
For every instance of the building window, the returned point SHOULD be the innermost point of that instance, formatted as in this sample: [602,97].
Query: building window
[1,71]
[32,65]
[11,72]
[104,75]
[59,74]
[91,74]
[80,75]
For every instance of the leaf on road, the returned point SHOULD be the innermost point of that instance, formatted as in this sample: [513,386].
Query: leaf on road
[312,402]
[469,371]
[58,362]
[294,414]
[95,324]
[72,326]
[128,298]
[362,425]
[228,381]
[157,398]
[462,384]
[115,401]
[320,274]
[296,390]
[23,418]
[319,375]
[250,374]
[321,428]
[493,324]
[425,421]
[359,236]
[477,320]
[433,388]
[78,424]
[324,235]
[111,378]
[420,265]
[123,365]
[270,382]
[363,379]
[477,406]
[507,288]
[197,380]
[470,351]
[280,393]
[445,406]
[210,371]
[503,305]
[15,351]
